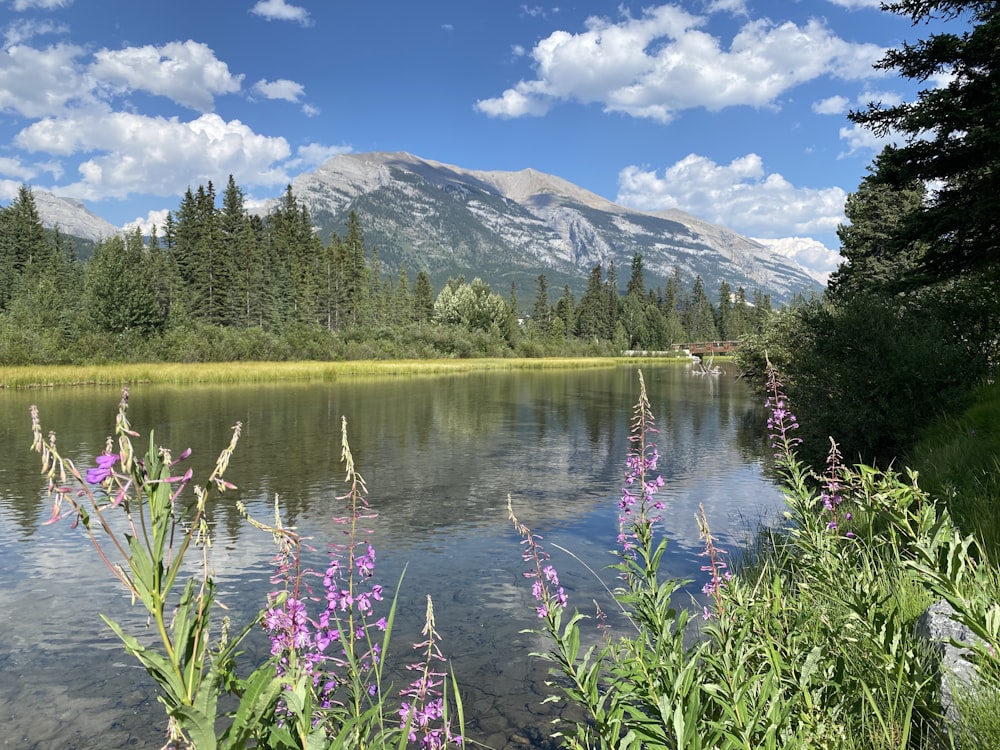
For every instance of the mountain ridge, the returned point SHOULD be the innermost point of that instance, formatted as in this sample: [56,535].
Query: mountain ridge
[505,227]
[446,219]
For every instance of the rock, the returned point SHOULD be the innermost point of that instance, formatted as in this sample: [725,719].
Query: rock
[938,626]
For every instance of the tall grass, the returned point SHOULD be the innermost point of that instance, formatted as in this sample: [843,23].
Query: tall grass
[959,461]
[223,373]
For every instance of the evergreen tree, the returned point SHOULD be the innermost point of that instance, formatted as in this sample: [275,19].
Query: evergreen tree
[724,323]
[402,300]
[541,311]
[22,243]
[951,133]
[118,288]
[700,320]
[566,311]
[874,258]
[593,317]
[423,298]
[636,283]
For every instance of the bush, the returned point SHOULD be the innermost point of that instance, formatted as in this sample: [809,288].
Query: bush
[871,372]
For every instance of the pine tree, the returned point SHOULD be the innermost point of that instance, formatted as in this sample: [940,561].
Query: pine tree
[22,243]
[593,317]
[423,298]
[951,134]
[875,260]
[566,311]
[541,311]
[700,320]
[118,286]
[724,314]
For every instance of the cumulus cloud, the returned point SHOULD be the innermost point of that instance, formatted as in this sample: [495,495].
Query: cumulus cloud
[11,167]
[289,91]
[22,5]
[188,72]
[279,10]
[834,105]
[663,62]
[813,256]
[314,154]
[855,4]
[157,155]
[40,82]
[157,218]
[23,30]
[740,195]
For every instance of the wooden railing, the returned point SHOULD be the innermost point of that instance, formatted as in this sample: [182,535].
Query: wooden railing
[708,347]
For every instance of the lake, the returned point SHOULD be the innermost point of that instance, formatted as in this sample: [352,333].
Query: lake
[440,455]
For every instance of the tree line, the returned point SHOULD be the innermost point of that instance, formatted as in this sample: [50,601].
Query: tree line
[219,282]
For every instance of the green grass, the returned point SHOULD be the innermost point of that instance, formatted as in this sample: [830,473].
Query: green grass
[958,458]
[222,373]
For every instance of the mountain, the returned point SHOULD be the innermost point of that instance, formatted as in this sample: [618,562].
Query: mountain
[71,217]
[504,227]
[513,226]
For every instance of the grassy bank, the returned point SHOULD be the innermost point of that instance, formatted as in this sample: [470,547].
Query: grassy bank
[222,373]
[959,462]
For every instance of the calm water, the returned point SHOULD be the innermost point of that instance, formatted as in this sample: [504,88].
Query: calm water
[440,456]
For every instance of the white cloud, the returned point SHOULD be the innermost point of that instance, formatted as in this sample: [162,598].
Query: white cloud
[736,7]
[740,195]
[279,10]
[314,154]
[17,169]
[156,155]
[22,5]
[188,72]
[816,259]
[859,139]
[855,4]
[37,83]
[157,218]
[24,30]
[834,105]
[289,91]
[662,63]
[9,188]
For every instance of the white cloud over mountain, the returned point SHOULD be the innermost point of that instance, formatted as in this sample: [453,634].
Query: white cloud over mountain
[663,62]
[740,194]
[156,155]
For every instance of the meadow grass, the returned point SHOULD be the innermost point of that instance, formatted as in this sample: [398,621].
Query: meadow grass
[959,461]
[223,373]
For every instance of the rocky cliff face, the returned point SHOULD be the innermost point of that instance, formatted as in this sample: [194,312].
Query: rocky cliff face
[71,217]
[512,226]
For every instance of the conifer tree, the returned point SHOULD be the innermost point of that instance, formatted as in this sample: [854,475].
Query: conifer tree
[593,320]
[541,311]
[423,298]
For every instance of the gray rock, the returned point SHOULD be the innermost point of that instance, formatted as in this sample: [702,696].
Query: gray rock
[938,626]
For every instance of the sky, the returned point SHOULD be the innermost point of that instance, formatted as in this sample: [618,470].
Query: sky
[731,110]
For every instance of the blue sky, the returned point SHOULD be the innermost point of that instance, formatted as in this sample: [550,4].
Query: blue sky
[731,110]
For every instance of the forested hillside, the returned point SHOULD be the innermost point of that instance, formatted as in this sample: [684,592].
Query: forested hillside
[217,282]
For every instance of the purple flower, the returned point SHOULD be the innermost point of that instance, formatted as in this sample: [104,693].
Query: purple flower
[105,462]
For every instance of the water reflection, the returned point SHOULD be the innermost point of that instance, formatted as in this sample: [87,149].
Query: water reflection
[440,455]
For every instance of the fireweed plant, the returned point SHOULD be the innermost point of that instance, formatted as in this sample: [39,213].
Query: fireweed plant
[323,684]
[807,643]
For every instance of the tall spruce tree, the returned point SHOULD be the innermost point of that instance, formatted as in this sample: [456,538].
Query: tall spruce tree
[952,135]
